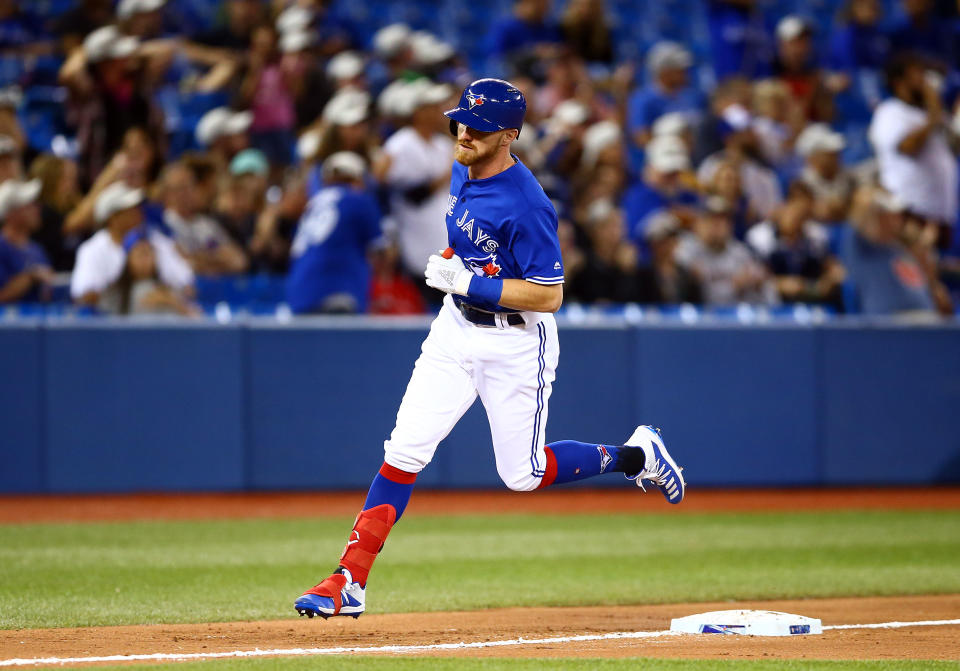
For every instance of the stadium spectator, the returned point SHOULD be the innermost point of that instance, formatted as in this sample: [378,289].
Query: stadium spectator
[139,287]
[108,93]
[672,282]
[740,147]
[831,184]
[586,30]
[796,250]
[59,195]
[304,75]
[725,267]
[859,42]
[142,19]
[267,90]
[81,20]
[889,277]
[240,18]
[665,185]
[610,272]
[667,89]
[739,41]
[776,122]
[417,162]
[708,135]
[242,195]
[223,133]
[912,143]
[796,66]
[330,271]
[562,141]
[25,272]
[203,242]
[101,259]
[11,99]
[525,36]
[921,31]
[726,184]
[392,292]
[10,165]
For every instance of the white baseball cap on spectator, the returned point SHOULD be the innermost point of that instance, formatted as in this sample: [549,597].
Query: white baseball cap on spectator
[11,97]
[791,27]
[345,65]
[392,99]
[115,198]
[672,123]
[819,137]
[128,8]
[428,49]
[345,164]
[599,210]
[107,43]
[667,153]
[294,19]
[16,193]
[422,91]
[220,122]
[8,146]
[668,55]
[299,40]
[570,113]
[598,137]
[390,40]
[346,108]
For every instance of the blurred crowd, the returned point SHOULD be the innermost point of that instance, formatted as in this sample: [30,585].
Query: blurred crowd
[148,149]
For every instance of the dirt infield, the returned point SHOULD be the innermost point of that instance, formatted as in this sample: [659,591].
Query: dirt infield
[25,509]
[371,631]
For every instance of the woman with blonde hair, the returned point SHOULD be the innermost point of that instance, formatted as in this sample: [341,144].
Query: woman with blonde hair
[59,194]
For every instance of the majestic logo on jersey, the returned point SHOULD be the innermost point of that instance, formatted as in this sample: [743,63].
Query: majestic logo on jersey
[478,237]
[483,265]
[557,266]
[475,100]
[605,458]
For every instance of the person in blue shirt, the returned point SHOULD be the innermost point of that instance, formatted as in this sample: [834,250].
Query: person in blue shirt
[329,270]
[524,37]
[860,41]
[740,39]
[495,338]
[25,273]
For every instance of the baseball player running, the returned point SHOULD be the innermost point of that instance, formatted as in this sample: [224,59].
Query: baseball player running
[495,338]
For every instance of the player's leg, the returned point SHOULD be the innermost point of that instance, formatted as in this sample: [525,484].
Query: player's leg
[515,390]
[439,392]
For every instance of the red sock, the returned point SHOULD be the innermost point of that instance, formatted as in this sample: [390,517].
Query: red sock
[550,472]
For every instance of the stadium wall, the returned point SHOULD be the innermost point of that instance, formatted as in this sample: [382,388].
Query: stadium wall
[120,406]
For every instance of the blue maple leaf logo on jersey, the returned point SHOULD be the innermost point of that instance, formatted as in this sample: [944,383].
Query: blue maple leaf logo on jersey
[475,100]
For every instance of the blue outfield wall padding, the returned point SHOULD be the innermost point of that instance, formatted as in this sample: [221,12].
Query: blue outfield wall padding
[891,406]
[21,419]
[118,406]
[736,406]
[134,409]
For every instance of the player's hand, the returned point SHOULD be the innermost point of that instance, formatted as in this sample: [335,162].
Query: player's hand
[448,274]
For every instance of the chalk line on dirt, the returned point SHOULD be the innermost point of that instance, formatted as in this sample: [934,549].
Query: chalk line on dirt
[283,652]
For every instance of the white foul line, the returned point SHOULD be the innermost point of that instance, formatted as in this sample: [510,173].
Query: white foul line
[278,652]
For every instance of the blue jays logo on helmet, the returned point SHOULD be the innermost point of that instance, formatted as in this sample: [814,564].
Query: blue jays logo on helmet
[489,105]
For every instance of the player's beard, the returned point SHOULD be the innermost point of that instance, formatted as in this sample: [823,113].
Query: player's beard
[475,154]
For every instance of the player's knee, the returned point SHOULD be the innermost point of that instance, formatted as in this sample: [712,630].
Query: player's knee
[522,482]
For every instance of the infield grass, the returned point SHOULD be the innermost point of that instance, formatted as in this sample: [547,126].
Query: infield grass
[60,575]
[563,664]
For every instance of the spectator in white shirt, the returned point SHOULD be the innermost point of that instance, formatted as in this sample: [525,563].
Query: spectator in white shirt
[911,141]
[206,245]
[101,259]
[419,156]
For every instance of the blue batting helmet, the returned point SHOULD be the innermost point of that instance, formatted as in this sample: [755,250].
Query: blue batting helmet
[489,105]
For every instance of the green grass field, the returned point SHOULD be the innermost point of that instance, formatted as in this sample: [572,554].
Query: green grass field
[54,575]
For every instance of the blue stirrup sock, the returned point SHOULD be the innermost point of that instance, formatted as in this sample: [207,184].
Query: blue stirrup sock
[569,460]
[391,486]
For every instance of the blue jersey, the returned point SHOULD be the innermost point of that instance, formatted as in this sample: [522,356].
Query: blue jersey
[14,260]
[329,249]
[504,227]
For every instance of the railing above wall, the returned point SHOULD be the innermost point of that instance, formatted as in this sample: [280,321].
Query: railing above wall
[257,403]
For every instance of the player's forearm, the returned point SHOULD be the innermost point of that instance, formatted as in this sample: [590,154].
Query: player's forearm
[524,295]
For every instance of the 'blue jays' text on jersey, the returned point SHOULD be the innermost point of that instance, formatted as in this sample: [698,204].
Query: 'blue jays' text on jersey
[504,227]
[329,251]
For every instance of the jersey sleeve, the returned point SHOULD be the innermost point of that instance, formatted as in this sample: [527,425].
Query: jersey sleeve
[536,247]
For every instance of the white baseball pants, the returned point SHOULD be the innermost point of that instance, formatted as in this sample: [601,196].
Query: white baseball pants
[512,370]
